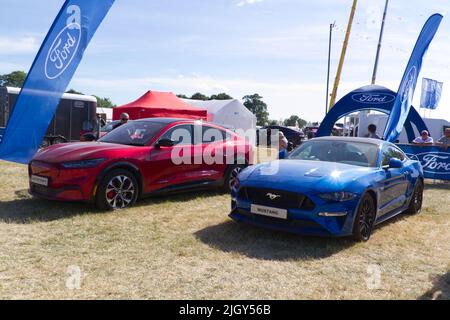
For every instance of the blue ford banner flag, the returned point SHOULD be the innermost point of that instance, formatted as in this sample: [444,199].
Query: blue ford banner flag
[431,94]
[49,76]
[405,95]
[435,160]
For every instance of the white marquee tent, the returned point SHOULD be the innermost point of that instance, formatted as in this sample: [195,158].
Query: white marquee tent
[228,113]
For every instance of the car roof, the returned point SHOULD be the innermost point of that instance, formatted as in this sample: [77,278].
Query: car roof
[175,120]
[377,142]
[281,128]
[164,120]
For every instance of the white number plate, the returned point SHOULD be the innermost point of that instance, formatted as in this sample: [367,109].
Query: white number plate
[269,212]
[43,181]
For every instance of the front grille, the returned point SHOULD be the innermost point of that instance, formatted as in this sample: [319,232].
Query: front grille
[41,190]
[276,198]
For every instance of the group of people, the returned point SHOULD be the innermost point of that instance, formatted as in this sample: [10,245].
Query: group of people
[426,140]
[423,140]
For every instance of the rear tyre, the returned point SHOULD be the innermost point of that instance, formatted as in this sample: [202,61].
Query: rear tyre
[365,219]
[415,205]
[231,175]
[117,190]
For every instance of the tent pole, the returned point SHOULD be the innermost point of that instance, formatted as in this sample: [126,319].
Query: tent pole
[329,66]
[344,51]
[377,57]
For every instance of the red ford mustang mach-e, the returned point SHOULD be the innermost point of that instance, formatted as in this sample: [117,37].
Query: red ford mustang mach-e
[143,157]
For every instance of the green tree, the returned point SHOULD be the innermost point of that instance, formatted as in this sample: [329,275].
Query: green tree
[295,121]
[73,91]
[221,96]
[199,96]
[104,103]
[258,107]
[182,96]
[273,122]
[13,79]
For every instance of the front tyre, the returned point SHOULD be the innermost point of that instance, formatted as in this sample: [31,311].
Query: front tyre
[231,175]
[365,219]
[117,190]
[415,205]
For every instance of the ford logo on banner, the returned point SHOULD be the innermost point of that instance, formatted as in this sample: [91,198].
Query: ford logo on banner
[64,48]
[51,72]
[437,163]
[373,98]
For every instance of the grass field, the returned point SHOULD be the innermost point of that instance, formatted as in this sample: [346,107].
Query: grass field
[185,247]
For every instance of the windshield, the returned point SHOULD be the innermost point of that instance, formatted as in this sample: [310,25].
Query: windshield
[109,126]
[354,153]
[134,133]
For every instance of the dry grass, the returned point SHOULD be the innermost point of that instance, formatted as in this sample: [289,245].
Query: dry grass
[186,247]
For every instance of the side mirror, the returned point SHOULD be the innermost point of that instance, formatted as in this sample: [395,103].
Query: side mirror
[167,143]
[395,163]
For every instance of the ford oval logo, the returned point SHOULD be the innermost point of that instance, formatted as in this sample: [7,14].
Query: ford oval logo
[373,98]
[433,162]
[63,51]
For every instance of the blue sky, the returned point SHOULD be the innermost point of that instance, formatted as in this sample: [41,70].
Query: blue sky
[277,48]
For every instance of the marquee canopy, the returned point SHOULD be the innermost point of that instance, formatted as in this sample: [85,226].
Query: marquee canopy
[229,113]
[156,104]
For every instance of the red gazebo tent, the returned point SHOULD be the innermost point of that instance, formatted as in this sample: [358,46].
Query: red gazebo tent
[156,104]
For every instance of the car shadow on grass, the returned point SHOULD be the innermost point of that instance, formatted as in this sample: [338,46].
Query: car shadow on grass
[440,290]
[183,196]
[26,209]
[253,242]
[438,186]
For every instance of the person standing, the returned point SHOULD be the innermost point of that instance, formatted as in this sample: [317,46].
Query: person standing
[124,118]
[424,139]
[372,132]
[282,145]
[444,141]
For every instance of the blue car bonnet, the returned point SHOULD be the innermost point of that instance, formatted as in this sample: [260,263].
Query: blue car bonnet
[301,175]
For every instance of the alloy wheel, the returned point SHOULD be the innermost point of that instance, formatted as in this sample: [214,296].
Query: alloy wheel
[418,199]
[366,218]
[233,177]
[120,192]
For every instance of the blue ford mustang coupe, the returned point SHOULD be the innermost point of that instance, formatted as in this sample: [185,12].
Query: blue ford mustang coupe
[330,186]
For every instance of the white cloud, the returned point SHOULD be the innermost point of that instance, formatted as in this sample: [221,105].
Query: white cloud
[14,45]
[248,2]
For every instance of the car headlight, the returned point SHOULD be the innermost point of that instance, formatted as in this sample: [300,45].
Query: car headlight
[337,196]
[83,164]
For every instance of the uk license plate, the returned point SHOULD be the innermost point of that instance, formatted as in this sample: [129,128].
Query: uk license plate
[42,181]
[269,211]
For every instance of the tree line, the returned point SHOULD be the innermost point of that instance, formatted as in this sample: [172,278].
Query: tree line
[17,78]
[253,102]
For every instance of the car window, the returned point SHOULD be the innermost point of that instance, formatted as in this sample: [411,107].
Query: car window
[340,151]
[108,127]
[390,152]
[211,135]
[134,133]
[180,135]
